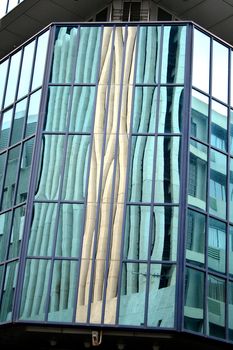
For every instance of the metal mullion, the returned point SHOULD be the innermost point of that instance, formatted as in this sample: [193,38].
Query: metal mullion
[116,152]
[127,181]
[33,175]
[86,185]
[94,249]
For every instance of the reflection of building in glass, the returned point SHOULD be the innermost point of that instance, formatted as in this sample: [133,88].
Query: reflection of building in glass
[116,180]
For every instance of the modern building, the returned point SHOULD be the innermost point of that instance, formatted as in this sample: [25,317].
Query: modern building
[116,174]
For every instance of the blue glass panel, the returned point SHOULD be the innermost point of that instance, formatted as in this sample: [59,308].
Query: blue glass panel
[8,292]
[216,306]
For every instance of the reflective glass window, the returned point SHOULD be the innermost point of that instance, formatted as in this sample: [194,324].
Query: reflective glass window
[35,287]
[26,70]
[3,74]
[230,189]
[3,8]
[217,245]
[217,184]
[18,122]
[8,292]
[13,78]
[231,250]
[167,173]
[199,116]
[33,113]
[5,227]
[2,167]
[161,306]
[216,307]
[41,53]
[220,71]
[201,61]
[16,232]
[194,300]
[197,178]
[6,128]
[231,132]
[230,311]
[219,115]
[195,238]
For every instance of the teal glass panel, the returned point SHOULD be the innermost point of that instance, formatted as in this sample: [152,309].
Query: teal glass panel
[26,70]
[2,166]
[8,292]
[195,238]
[35,288]
[217,245]
[41,239]
[144,110]
[82,111]
[33,113]
[230,310]
[199,116]
[217,186]
[167,173]
[132,297]
[231,250]
[173,54]
[40,60]
[57,108]
[201,61]
[24,171]
[3,74]
[76,167]
[137,232]
[10,179]
[219,115]
[216,307]
[220,71]
[148,55]
[62,296]
[88,55]
[18,122]
[5,128]
[141,167]
[12,78]
[52,154]
[194,300]
[5,227]
[70,230]
[230,189]
[162,290]
[16,232]
[197,178]
[170,109]
[231,132]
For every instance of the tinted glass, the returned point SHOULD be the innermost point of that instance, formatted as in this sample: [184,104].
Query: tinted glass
[195,238]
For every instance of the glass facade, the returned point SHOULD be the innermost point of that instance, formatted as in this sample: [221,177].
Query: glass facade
[8,5]
[116,179]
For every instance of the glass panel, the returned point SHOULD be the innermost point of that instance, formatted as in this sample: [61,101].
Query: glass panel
[33,113]
[197,175]
[62,297]
[170,110]
[231,250]
[195,238]
[41,53]
[132,298]
[57,108]
[230,189]
[217,187]
[34,291]
[194,300]
[18,122]
[173,54]
[8,292]
[141,167]
[10,179]
[231,132]
[162,290]
[5,227]
[216,307]
[82,112]
[2,168]
[17,232]
[49,178]
[137,232]
[5,128]
[217,245]
[24,171]
[167,176]
[199,116]
[144,111]
[230,311]
[201,61]
[42,229]
[12,78]
[220,71]
[12,4]
[70,230]
[3,9]
[148,55]
[26,69]
[3,73]
[219,115]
